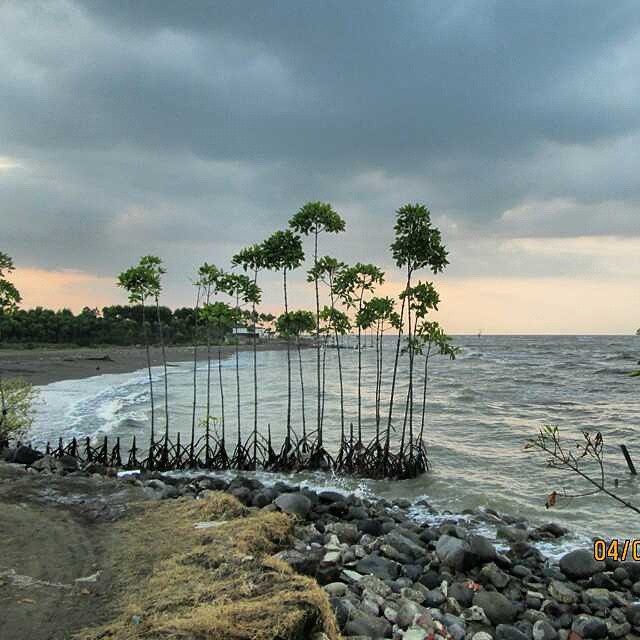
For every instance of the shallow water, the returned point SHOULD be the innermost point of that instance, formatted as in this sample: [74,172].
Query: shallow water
[481,409]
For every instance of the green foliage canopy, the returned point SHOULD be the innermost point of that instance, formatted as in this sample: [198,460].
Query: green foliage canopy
[351,283]
[282,251]
[418,243]
[295,323]
[317,217]
[10,297]
[17,402]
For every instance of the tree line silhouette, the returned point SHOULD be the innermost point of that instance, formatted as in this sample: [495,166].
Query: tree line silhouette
[119,325]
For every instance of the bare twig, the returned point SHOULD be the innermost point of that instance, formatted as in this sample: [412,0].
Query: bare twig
[574,459]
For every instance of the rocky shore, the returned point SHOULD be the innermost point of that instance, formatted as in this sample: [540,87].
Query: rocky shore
[388,576]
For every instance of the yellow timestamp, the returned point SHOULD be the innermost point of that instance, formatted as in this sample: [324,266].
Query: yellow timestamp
[616,550]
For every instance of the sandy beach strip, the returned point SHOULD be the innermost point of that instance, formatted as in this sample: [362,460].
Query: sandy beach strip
[45,365]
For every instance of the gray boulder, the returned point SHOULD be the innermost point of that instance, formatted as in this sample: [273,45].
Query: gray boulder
[434,598]
[618,630]
[374,585]
[633,614]
[462,594]
[346,531]
[48,463]
[589,627]
[482,548]
[69,463]
[294,503]
[509,632]
[372,526]
[632,569]
[513,534]
[262,498]
[580,564]
[306,563]
[378,566]
[331,496]
[404,544]
[497,608]
[560,592]
[25,455]
[543,630]
[369,626]
[453,552]
[407,612]
[597,598]
[495,576]
[212,484]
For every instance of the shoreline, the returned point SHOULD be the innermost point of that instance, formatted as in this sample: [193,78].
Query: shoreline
[43,366]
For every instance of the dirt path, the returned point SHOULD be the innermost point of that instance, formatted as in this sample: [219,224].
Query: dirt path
[54,561]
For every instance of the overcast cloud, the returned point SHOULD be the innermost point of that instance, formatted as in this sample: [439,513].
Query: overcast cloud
[191,129]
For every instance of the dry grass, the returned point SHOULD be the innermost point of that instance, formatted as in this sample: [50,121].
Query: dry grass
[218,583]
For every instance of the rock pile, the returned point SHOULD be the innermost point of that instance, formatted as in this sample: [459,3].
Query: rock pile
[389,577]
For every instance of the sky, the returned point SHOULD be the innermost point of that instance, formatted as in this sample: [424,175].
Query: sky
[191,129]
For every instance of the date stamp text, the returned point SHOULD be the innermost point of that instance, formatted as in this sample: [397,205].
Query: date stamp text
[617,550]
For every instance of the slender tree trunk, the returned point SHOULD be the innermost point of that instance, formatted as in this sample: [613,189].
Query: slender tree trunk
[324,376]
[377,382]
[237,353]
[222,416]
[304,420]
[286,310]
[424,390]
[337,337]
[255,376]
[166,382]
[411,354]
[395,372]
[146,345]
[315,264]
[360,372]
[195,367]
[405,419]
[340,380]
[208,413]
[208,364]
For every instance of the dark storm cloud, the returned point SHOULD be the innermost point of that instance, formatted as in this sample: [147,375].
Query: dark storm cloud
[191,128]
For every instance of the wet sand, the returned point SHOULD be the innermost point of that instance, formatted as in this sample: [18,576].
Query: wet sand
[57,545]
[43,366]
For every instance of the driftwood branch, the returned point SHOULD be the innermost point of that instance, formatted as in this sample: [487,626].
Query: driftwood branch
[574,457]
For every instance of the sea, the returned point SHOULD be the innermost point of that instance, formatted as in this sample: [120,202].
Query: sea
[481,411]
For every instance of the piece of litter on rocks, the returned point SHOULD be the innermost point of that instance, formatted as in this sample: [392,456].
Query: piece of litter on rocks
[18,580]
[92,578]
[209,525]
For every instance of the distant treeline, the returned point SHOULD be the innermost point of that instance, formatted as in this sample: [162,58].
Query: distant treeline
[117,325]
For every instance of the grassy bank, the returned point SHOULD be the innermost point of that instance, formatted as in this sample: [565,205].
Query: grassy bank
[173,580]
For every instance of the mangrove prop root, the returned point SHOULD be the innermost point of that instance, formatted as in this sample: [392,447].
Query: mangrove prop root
[354,457]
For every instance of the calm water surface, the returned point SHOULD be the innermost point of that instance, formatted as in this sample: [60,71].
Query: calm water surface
[481,410]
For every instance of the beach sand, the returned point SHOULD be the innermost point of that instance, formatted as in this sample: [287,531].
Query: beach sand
[43,366]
